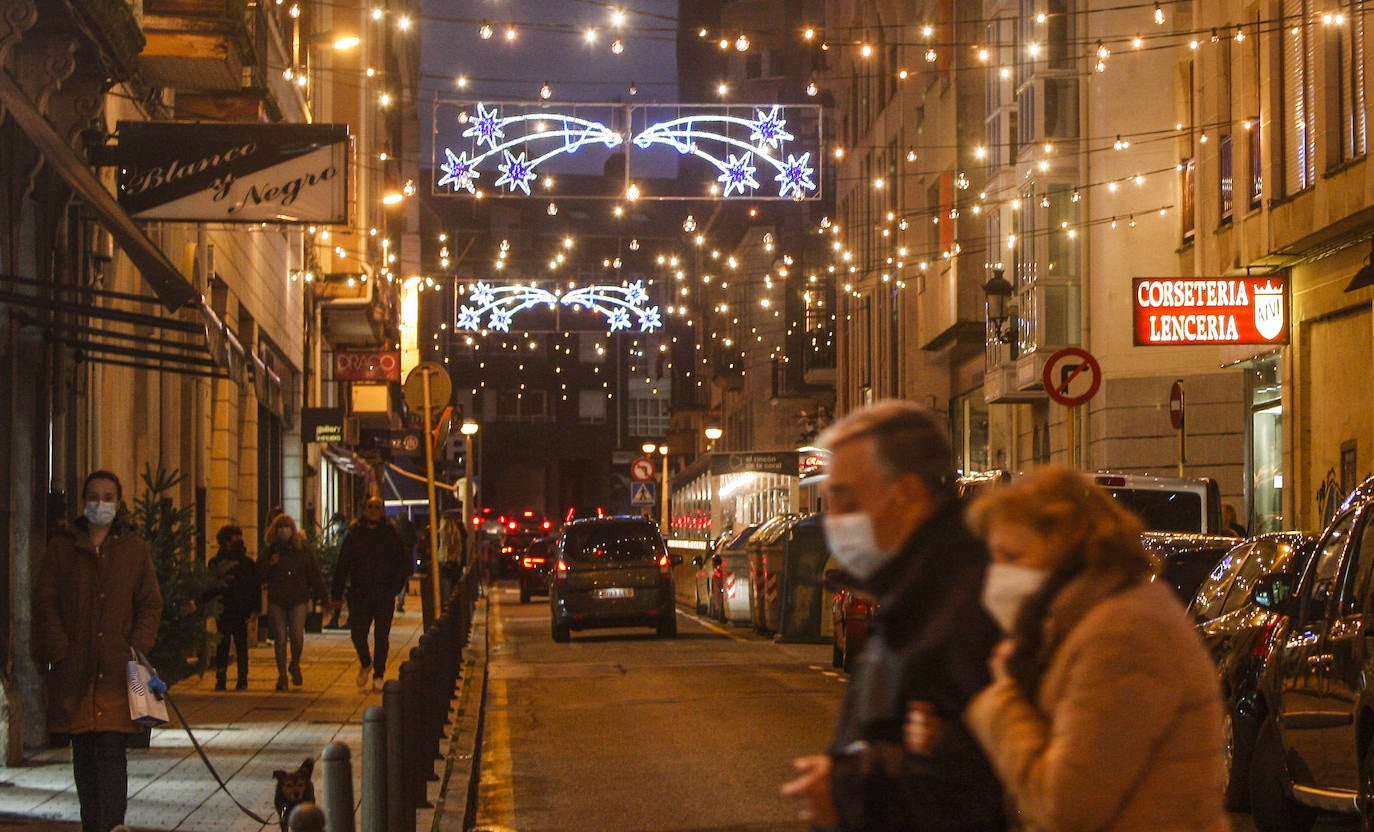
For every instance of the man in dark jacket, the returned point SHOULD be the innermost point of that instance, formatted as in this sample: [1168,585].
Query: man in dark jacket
[240,596]
[374,565]
[894,525]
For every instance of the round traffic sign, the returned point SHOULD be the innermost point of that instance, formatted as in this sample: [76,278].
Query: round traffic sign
[1071,376]
[440,386]
[642,469]
[1176,405]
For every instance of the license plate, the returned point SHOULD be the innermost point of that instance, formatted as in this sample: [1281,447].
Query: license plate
[615,592]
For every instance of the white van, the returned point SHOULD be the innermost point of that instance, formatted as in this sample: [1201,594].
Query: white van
[1167,504]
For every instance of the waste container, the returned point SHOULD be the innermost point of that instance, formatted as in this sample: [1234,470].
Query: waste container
[766,567]
[733,590]
[803,597]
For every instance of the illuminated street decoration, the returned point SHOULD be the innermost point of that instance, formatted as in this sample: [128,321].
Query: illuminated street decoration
[529,142]
[498,305]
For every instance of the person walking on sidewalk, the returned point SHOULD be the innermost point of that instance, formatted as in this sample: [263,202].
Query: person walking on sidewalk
[239,596]
[292,575]
[96,597]
[374,565]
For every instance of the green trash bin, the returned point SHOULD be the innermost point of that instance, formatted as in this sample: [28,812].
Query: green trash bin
[803,596]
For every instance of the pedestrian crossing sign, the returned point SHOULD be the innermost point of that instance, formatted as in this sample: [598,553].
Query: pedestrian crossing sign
[642,494]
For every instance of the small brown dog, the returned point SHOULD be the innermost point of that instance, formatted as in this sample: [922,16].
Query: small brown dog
[293,788]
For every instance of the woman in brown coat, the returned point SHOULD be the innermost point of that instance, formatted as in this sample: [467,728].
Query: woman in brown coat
[1104,713]
[97,596]
[292,576]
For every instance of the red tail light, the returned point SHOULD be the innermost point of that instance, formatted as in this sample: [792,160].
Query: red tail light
[530,563]
[1265,643]
[664,565]
[560,572]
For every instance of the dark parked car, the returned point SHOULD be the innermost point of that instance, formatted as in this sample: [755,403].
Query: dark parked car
[1183,560]
[1315,748]
[612,572]
[1240,635]
[851,612]
[534,568]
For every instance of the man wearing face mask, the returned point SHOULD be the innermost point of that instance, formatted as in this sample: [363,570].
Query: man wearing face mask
[373,565]
[96,596]
[238,595]
[894,525]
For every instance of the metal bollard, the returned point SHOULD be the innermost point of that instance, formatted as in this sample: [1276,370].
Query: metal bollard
[400,811]
[412,726]
[306,817]
[374,804]
[337,780]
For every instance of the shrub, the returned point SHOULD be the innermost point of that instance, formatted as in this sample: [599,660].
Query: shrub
[170,533]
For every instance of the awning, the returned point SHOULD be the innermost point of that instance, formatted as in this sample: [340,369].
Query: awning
[172,288]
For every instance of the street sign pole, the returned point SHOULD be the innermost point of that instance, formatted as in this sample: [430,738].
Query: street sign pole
[433,501]
[428,388]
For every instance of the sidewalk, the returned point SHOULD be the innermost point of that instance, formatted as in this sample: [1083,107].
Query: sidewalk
[249,734]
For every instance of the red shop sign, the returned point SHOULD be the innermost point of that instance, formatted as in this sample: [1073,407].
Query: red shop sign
[367,365]
[1190,311]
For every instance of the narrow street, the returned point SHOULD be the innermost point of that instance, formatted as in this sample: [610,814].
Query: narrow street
[621,730]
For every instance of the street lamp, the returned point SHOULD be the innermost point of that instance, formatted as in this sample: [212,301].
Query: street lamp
[1001,311]
[469,430]
[712,434]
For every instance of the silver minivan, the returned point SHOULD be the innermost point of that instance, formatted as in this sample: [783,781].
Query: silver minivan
[612,572]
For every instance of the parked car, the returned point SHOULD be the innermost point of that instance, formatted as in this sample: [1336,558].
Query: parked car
[534,568]
[612,572]
[851,613]
[708,576]
[1240,635]
[1184,560]
[1315,748]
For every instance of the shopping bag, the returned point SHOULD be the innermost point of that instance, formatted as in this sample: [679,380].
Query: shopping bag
[145,705]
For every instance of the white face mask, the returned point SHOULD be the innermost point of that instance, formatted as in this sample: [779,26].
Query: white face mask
[850,539]
[284,534]
[1006,587]
[99,513]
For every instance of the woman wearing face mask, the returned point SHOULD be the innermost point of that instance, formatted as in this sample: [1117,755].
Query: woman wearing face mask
[292,576]
[96,596]
[1104,712]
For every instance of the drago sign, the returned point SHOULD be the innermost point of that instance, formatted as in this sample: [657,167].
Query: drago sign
[367,365]
[1189,311]
[287,173]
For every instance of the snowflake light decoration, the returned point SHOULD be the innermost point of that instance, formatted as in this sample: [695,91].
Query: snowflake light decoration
[516,172]
[460,171]
[795,176]
[770,130]
[738,174]
[487,127]
[621,306]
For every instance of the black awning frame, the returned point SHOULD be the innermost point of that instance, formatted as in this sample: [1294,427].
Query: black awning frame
[172,288]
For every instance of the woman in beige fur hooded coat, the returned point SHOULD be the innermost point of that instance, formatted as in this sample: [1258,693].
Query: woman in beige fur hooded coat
[1104,713]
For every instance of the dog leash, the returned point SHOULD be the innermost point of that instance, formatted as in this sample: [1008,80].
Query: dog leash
[159,689]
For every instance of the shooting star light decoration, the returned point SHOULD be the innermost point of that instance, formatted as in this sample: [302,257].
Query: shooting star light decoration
[499,304]
[715,138]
